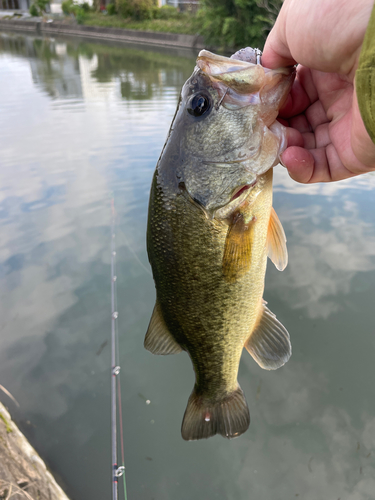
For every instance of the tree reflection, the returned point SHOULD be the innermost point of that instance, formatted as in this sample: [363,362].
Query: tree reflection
[139,74]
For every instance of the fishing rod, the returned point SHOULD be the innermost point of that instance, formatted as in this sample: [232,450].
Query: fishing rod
[117,471]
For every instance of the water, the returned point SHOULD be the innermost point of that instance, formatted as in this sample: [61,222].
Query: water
[81,120]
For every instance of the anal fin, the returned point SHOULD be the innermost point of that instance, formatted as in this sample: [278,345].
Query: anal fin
[158,338]
[237,249]
[269,344]
[276,242]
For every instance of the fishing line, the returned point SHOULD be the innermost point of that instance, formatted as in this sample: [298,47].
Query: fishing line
[117,470]
[127,243]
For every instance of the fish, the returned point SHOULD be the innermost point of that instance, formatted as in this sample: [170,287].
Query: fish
[210,228]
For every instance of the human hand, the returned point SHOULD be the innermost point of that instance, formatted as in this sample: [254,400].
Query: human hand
[327,139]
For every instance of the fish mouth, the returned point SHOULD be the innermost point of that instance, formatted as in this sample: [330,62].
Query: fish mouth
[214,65]
[237,82]
[241,83]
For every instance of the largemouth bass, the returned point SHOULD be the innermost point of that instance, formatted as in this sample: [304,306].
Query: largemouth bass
[211,226]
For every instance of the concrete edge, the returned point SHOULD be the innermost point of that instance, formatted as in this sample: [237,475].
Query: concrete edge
[114,34]
[30,454]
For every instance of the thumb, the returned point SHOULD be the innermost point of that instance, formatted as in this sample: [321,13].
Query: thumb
[276,53]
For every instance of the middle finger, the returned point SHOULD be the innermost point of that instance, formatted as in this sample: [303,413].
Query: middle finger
[316,115]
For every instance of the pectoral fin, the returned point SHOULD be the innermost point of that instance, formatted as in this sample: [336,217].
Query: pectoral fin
[158,338]
[276,242]
[269,344]
[237,249]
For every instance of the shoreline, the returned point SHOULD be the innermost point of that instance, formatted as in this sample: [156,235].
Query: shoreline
[22,472]
[101,33]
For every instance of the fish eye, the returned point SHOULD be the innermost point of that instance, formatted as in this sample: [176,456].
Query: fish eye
[198,105]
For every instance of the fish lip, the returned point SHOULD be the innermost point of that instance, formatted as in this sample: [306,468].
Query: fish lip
[209,63]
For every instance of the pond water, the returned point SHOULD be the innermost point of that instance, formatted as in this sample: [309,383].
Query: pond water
[79,121]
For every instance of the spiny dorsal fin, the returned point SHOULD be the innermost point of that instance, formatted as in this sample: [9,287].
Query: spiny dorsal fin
[237,249]
[276,242]
[204,417]
[158,338]
[269,344]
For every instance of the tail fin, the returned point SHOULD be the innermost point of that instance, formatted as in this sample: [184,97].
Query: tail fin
[204,418]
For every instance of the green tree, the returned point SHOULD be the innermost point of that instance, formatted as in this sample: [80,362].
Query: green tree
[39,7]
[34,11]
[237,23]
[67,6]
[137,9]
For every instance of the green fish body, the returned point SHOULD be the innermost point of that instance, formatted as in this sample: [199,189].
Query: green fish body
[210,228]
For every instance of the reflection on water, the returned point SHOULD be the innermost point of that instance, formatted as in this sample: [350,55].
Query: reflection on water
[81,120]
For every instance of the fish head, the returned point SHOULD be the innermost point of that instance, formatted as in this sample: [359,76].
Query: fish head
[225,129]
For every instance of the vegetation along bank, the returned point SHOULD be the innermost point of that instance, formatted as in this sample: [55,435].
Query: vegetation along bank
[225,24]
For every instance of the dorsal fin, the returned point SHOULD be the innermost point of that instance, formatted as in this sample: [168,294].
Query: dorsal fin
[276,242]
[237,249]
[158,338]
[269,344]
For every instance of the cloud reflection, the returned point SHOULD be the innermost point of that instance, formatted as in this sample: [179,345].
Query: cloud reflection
[284,183]
[330,240]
